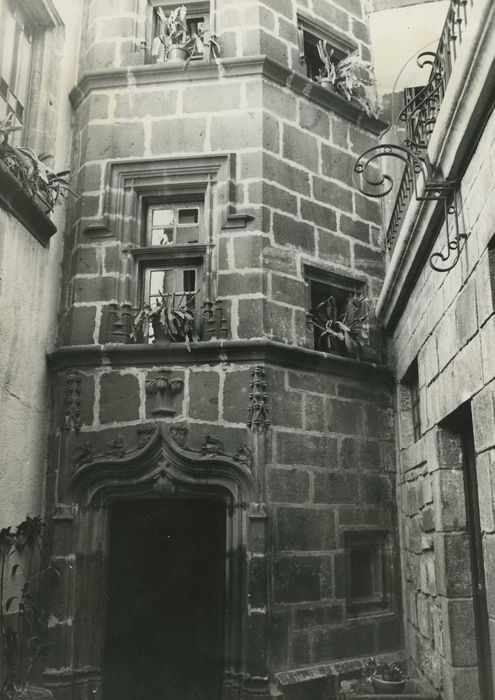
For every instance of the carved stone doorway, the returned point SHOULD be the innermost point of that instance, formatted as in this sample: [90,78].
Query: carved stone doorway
[165,599]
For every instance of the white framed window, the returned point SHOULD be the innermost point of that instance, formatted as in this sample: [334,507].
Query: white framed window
[16,56]
[177,286]
[175,223]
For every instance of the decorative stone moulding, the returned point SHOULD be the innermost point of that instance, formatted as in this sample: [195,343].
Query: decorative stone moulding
[72,419]
[258,401]
[159,456]
[163,387]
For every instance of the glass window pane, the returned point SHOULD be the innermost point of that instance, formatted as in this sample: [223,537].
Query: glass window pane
[188,217]
[161,236]
[160,281]
[189,280]
[8,41]
[163,217]
[24,69]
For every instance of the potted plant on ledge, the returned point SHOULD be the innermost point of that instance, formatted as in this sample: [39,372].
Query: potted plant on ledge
[351,77]
[386,678]
[179,43]
[342,333]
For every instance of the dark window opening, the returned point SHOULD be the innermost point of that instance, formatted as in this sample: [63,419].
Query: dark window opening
[368,589]
[411,382]
[165,600]
[328,299]
[188,217]
[310,34]
[361,573]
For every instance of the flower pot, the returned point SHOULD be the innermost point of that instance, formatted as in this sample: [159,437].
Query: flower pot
[177,55]
[326,83]
[384,687]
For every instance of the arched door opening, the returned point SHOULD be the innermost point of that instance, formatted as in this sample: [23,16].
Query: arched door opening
[165,628]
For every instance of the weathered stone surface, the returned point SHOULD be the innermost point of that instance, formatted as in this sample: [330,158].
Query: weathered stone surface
[300,147]
[459,634]
[288,485]
[288,231]
[336,487]
[453,571]
[119,397]
[297,579]
[203,395]
[305,529]
[312,450]
[235,396]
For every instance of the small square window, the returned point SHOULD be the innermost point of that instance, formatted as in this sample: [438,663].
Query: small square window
[367,564]
[197,20]
[309,34]
[331,299]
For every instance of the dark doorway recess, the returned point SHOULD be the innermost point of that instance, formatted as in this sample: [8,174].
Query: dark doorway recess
[461,423]
[165,600]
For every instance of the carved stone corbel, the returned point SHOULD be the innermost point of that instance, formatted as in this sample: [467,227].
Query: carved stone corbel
[163,388]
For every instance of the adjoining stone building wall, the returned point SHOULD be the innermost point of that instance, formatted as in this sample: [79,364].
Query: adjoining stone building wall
[448,326]
[442,344]
[30,275]
[270,153]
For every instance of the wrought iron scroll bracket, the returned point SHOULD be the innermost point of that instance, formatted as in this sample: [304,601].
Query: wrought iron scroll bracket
[422,183]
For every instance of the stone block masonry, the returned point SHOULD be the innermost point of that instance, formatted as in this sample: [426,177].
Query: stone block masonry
[446,323]
[271,162]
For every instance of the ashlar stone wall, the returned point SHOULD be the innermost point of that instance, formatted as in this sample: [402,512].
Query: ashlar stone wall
[448,325]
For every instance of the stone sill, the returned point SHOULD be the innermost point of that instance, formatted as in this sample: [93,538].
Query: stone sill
[468,101]
[263,66]
[254,351]
[336,669]
[15,199]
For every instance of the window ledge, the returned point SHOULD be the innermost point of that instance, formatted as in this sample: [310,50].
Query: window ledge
[15,199]
[226,68]
[177,254]
[213,351]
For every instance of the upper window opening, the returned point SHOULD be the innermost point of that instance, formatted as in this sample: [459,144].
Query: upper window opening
[330,301]
[16,52]
[197,20]
[170,224]
[310,33]
[311,56]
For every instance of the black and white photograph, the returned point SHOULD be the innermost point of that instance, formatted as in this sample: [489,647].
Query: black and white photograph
[247,350]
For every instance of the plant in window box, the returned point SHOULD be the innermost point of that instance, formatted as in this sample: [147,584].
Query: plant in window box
[180,44]
[342,333]
[387,678]
[351,77]
[172,319]
[40,182]
[23,617]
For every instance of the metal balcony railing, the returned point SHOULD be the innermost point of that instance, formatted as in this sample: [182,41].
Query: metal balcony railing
[420,112]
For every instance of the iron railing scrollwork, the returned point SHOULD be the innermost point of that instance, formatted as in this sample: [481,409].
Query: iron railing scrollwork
[418,118]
